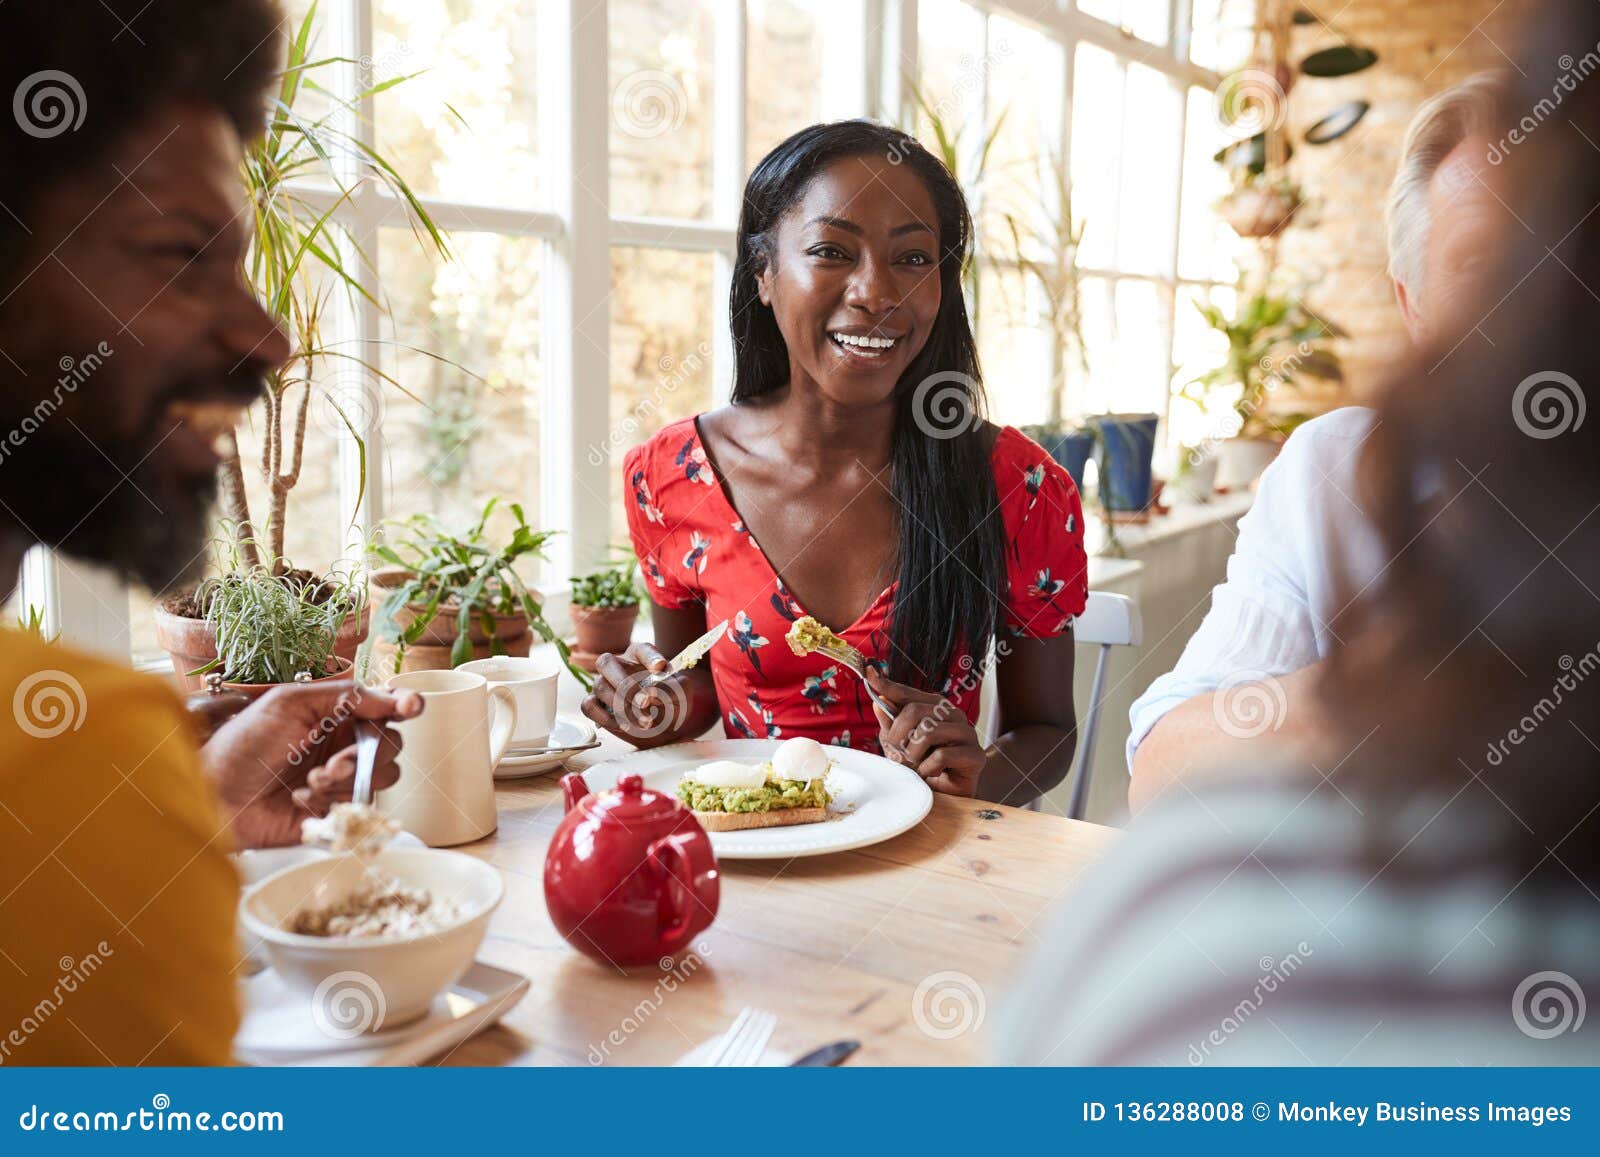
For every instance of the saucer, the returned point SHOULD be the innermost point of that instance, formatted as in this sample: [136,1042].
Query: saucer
[570,734]
[279,1027]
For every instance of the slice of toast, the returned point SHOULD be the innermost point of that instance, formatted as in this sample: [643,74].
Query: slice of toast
[741,821]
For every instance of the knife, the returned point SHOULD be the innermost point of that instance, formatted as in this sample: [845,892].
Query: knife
[827,1056]
[689,656]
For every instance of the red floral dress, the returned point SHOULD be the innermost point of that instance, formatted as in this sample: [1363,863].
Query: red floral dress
[694,548]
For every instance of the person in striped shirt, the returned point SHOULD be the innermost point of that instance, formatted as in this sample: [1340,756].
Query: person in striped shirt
[1427,890]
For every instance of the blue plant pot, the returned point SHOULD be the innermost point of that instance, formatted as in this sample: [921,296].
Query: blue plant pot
[1127,444]
[1072,450]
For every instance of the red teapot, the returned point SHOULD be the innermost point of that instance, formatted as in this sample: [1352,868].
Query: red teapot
[630,877]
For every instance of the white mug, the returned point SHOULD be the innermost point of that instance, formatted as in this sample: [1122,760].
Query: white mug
[533,683]
[446,791]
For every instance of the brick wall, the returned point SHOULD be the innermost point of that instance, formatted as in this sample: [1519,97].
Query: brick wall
[1423,46]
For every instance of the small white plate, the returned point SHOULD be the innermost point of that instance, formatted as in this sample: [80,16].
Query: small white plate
[278,1028]
[569,735]
[873,799]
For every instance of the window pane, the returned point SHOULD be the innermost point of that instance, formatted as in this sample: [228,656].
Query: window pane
[1148,206]
[1146,19]
[661,311]
[1197,348]
[1015,344]
[470,429]
[951,61]
[465,127]
[1026,86]
[1125,326]
[1223,33]
[661,113]
[784,39]
[1097,114]
[1207,248]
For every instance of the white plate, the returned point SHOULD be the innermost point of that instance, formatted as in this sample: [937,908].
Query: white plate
[278,1028]
[874,800]
[570,734]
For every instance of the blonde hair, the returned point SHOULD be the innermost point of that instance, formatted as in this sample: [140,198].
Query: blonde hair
[1443,122]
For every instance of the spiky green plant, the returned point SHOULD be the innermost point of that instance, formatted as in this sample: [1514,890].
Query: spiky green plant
[271,627]
[299,257]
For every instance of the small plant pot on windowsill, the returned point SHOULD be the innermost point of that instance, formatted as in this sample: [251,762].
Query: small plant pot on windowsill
[601,630]
[511,634]
[1072,449]
[191,644]
[1125,453]
[1240,461]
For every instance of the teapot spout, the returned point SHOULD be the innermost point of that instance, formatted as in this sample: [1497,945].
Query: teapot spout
[573,789]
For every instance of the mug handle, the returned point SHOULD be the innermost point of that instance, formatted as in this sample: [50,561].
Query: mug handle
[685,859]
[503,725]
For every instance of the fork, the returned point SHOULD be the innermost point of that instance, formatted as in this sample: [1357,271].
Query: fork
[848,656]
[746,1039]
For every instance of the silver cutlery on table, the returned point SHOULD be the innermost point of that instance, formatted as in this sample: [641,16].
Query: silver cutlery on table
[745,1041]
[827,1056]
[687,657]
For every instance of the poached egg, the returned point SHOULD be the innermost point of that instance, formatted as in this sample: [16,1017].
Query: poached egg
[800,758]
[728,773]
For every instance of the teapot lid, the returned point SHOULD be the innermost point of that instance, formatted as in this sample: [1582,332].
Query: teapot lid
[632,802]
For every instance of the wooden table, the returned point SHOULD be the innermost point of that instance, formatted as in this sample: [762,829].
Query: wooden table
[835,945]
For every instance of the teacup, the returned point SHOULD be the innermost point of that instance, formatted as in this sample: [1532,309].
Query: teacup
[533,683]
[446,791]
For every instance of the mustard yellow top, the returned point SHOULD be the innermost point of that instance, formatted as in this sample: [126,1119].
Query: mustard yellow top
[117,898]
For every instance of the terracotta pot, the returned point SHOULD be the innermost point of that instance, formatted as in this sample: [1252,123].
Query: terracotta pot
[341,670]
[191,644]
[1257,212]
[432,651]
[601,630]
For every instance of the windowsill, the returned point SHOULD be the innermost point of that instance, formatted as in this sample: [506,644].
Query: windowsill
[1182,518]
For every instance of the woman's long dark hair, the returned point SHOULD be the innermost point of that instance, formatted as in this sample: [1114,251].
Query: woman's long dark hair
[1473,665]
[951,548]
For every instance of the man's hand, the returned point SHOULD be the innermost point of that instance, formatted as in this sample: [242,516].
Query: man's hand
[930,735]
[291,754]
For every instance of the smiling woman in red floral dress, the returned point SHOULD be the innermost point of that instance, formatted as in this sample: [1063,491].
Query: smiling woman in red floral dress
[853,479]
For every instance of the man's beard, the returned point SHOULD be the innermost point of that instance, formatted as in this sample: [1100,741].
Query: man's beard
[109,505]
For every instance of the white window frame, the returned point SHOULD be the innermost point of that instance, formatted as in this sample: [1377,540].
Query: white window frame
[870,47]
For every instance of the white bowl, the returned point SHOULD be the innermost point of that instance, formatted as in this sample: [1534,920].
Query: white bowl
[358,984]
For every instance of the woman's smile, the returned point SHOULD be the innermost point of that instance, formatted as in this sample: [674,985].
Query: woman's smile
[867,348]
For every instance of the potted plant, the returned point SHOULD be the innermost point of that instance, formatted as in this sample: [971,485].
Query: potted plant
[1255,100]
[298,257]
[444,599]
[1195,474]
[1125,453]
[270,630]
[1260,207]
[1274,339]
[605,605]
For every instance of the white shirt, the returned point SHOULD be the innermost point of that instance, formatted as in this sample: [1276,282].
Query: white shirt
[1304,549]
